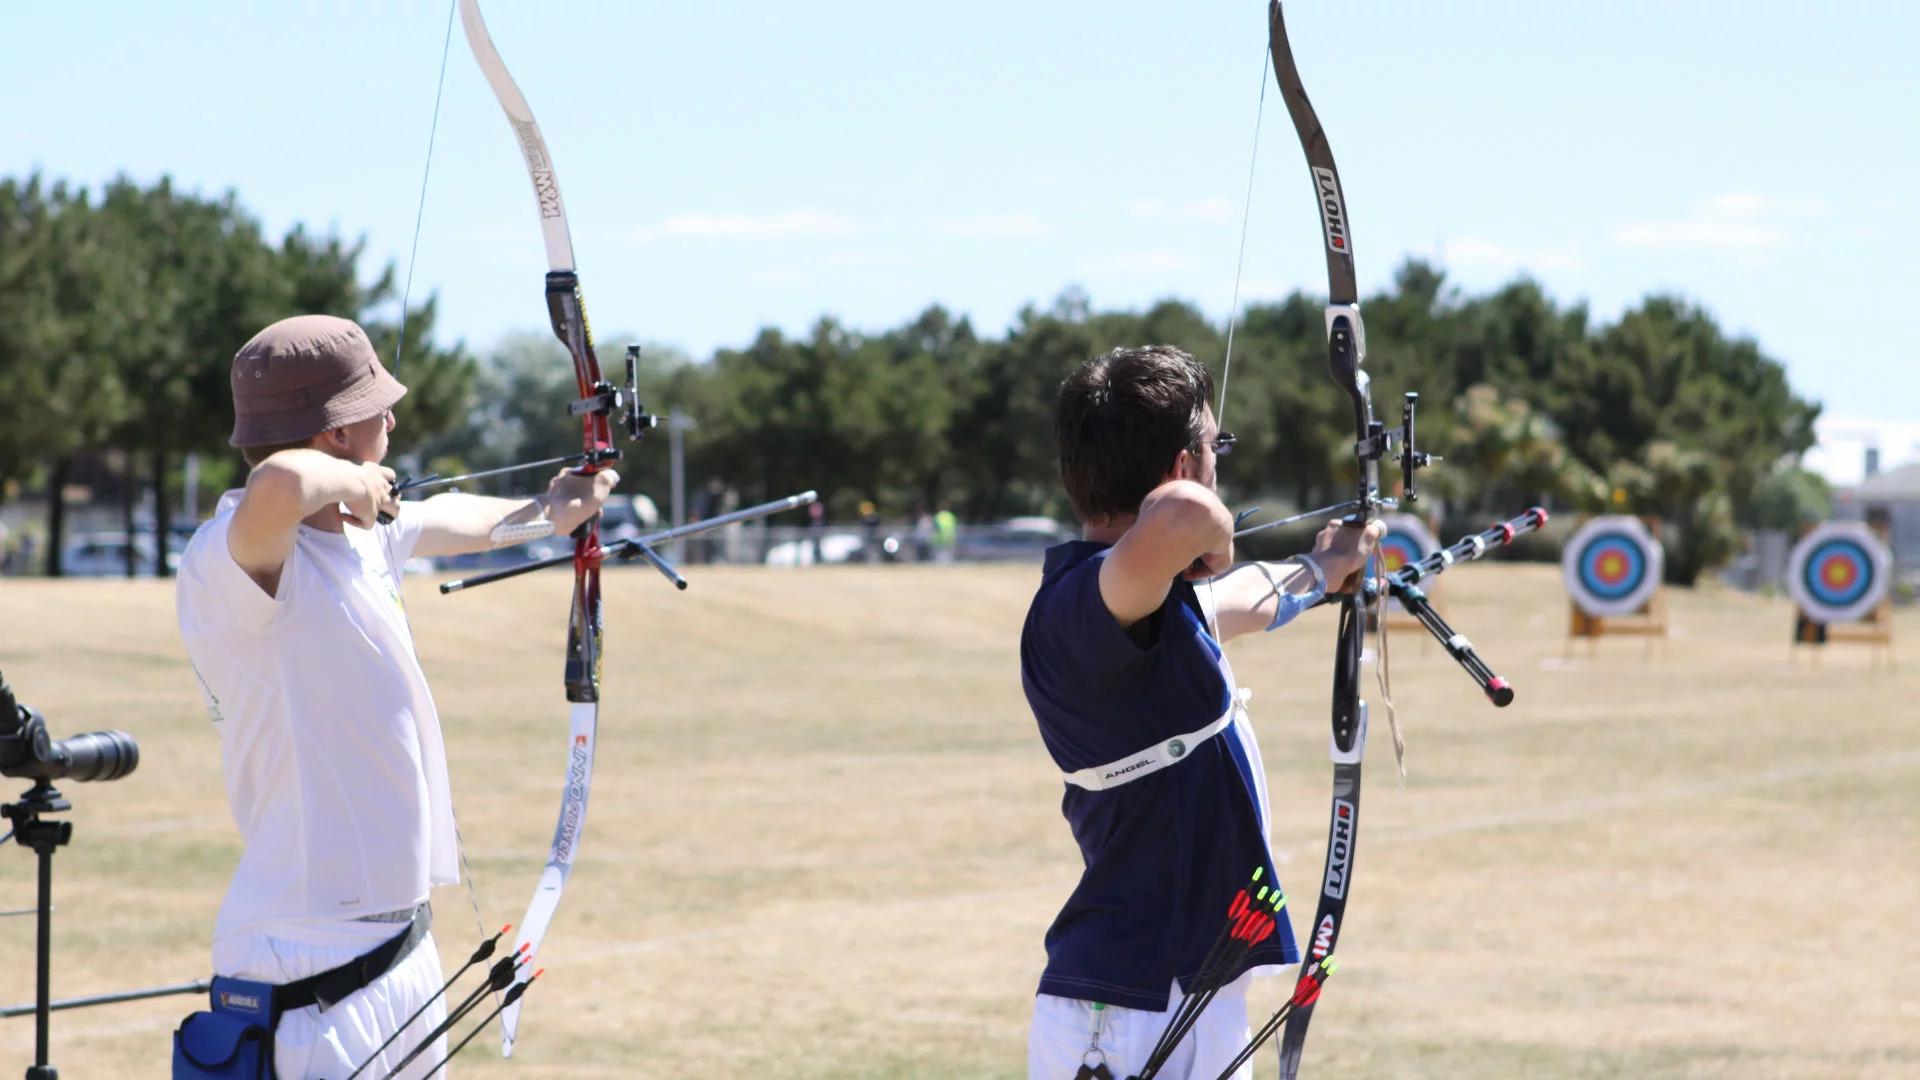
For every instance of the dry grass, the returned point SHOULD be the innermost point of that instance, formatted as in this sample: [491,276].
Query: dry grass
[825,839]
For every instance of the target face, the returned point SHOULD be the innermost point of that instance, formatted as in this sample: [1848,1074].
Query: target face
[1839,572]
[1612,565]
[1408,540]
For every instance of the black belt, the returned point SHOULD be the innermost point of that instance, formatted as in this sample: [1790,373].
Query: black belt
[329,988]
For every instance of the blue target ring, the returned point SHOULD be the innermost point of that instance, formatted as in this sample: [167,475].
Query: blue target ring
[1398,550]
[1839,572]
[1407,541]
[1612,567]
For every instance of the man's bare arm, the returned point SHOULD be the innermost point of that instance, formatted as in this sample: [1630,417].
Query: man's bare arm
[456,524]
[1247,597]
[1180,522]
[290,487]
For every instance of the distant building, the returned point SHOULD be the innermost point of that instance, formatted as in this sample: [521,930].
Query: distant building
[1889,501]
[1850,450]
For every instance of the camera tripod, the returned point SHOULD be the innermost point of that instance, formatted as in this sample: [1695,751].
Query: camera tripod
[43,837]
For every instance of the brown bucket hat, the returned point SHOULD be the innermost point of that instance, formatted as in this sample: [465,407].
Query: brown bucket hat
[305,375]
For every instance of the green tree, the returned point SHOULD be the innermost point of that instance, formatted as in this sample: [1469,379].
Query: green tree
[63,391]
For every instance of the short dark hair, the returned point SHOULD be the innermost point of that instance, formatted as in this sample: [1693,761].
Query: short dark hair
[1121,421]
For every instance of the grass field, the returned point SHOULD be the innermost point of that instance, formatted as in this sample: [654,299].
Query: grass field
[825,840]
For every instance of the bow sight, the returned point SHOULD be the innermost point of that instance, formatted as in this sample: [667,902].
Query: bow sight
[606,399]
[1378,444]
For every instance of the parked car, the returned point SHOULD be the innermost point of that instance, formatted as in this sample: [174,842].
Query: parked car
[1015,539]
[104,554]
[835,547]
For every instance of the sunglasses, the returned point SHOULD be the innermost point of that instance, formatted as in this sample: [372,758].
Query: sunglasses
[1222,444]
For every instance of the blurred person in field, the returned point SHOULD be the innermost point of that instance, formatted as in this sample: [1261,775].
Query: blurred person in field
[946,533]
[922,534]
[869,531]
[289,604]
[1121,659]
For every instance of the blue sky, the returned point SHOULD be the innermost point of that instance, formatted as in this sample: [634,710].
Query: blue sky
[731,166]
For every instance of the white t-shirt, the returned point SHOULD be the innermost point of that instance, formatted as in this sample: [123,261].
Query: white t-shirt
[335,769]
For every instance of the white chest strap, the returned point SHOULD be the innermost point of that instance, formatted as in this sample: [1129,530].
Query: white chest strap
[1159,755]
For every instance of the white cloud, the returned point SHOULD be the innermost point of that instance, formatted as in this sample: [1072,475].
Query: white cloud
[1209,211]
[707,226]
[1002,226]
[1140,262]
[785,279]
[1734,221]
[1701,234]
[1256,289]
[1479,252]
[856,260]
[1751,204]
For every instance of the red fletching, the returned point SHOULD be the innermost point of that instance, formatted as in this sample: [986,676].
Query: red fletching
[1308,991]
[1247,926]
[1253,928]
[1266,931]
[1239,906]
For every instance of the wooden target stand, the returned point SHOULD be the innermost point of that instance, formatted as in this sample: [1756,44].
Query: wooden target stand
[1650,622]
[1644,616]
[1874,629]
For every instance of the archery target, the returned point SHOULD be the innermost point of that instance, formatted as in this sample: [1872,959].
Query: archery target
[1839,572]
[1612,565]
[1408,540]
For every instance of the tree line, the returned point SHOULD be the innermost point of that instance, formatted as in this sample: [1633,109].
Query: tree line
[120,310]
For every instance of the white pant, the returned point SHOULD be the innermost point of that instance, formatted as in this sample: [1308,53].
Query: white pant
[1064,1028]
[312,1045]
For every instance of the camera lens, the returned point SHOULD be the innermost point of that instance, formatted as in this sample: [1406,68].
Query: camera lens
[98,755]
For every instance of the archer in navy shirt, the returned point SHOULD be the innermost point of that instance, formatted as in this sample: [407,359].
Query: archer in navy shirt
[1122,664]
[1165,853]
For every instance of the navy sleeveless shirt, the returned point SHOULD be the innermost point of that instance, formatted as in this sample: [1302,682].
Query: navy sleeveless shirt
[1164,854]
